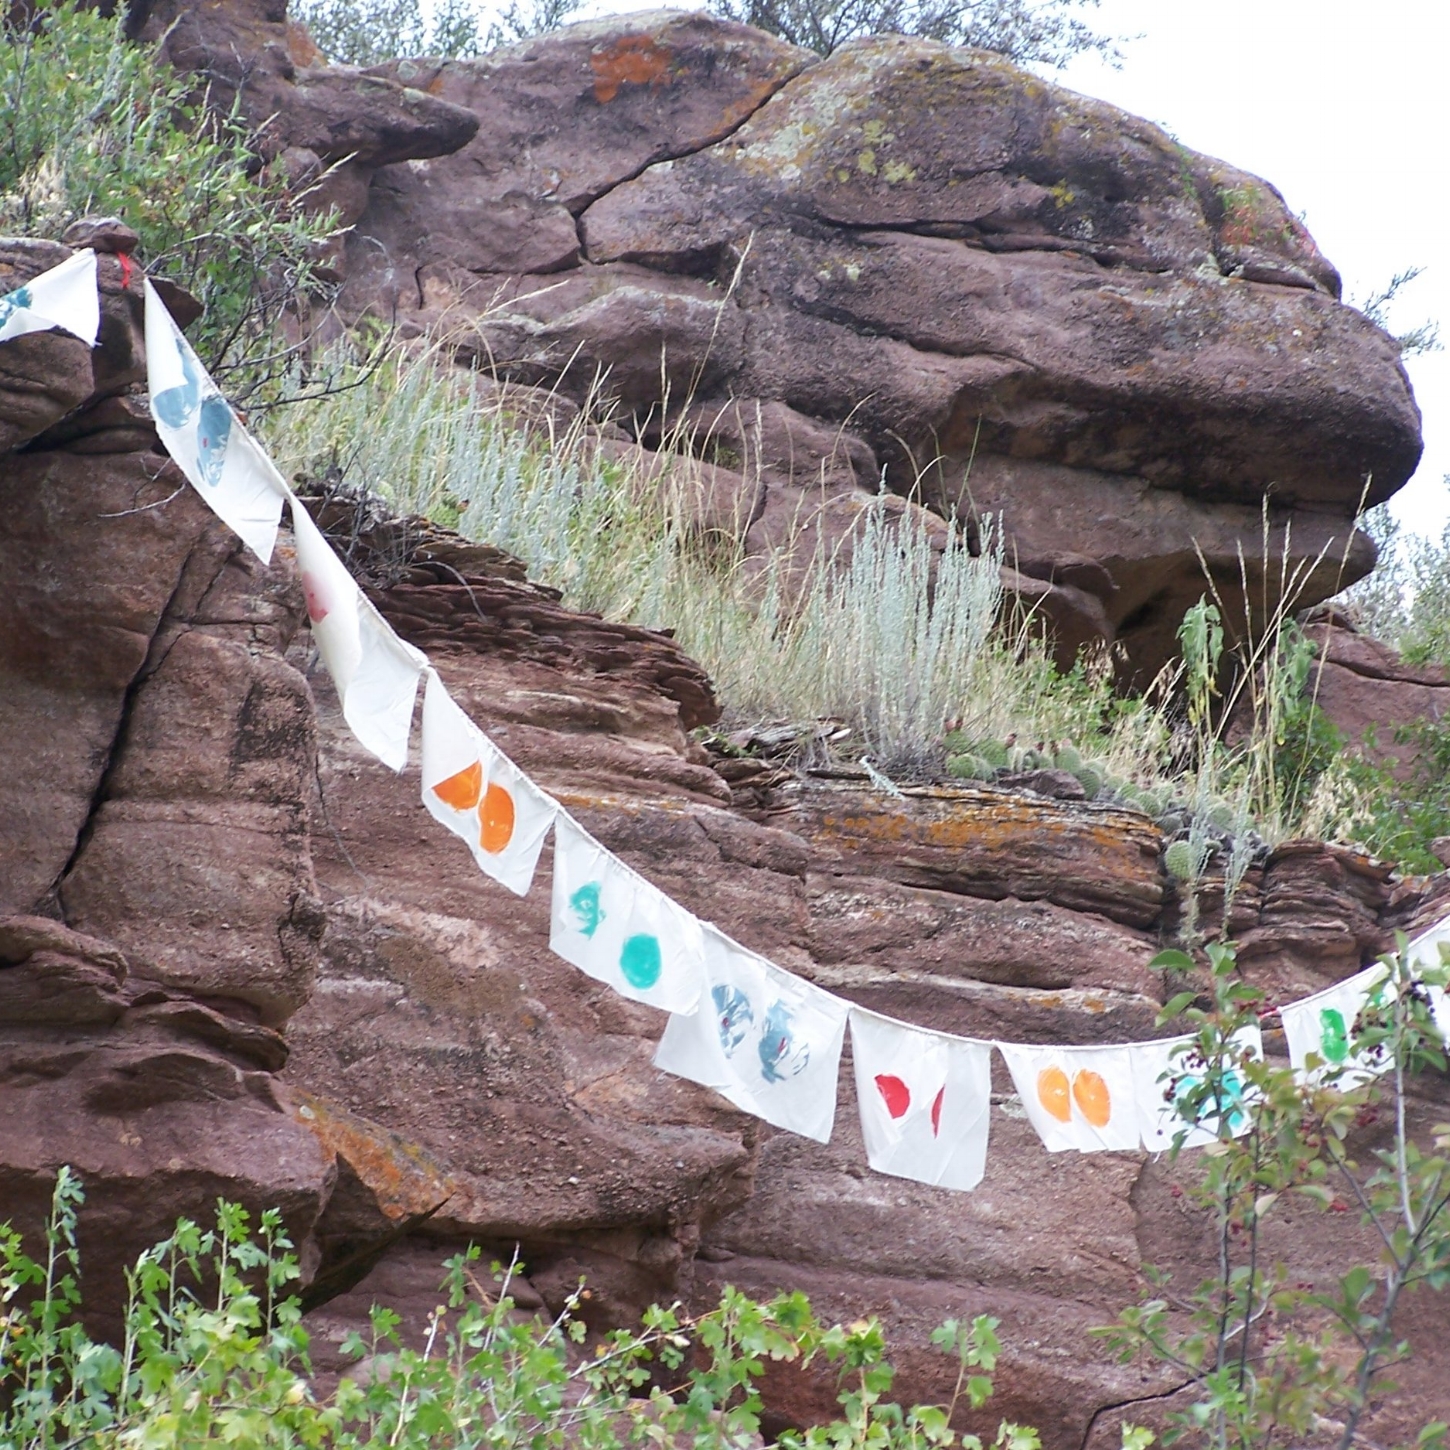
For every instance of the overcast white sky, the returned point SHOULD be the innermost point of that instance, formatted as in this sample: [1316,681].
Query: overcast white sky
[1342,104]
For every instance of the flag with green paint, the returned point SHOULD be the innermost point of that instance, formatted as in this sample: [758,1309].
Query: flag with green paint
[613,925]
[1320,1030]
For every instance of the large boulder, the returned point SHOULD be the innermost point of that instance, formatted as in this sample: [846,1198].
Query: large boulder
[1013,299]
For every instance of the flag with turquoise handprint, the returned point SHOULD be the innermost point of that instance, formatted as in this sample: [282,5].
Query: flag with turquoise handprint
[617,928]
[64,297]
[1167,1075]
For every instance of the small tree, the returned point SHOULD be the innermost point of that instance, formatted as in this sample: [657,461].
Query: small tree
[1050,32]
[1265,1360]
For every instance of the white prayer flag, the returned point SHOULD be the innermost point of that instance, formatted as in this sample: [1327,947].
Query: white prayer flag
[1076,1097]
[762,1038]
[66,297]
[1324,1025]
[925,1100]
[479,794]
[206,439]
[1166,1072]
[375,672]
[616,927]
[1424,951]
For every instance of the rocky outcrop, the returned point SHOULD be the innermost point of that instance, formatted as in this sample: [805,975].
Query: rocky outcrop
[237,958]
[1012,299]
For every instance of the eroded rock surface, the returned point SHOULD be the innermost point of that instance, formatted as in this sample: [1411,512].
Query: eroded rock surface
[1013,299]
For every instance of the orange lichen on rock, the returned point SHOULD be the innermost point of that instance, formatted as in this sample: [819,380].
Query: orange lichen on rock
[634,60]
[402,1177]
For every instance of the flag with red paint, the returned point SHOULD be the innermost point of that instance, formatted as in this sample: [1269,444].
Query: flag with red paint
[65,297]
[618,928]
[206,439]
[1077,1097]
[375,672]
[479,794]
[925,1100]
[767,1041]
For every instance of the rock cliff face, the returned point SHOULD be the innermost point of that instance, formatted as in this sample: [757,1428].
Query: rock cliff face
[237,957]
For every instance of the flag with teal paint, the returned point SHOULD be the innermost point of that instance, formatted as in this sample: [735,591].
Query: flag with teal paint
[206,439]
[767,1041]
[1324,1026]
[478,793]
[375,673]
[925,1100]
[613,925]
[65,297]
[1168,1074]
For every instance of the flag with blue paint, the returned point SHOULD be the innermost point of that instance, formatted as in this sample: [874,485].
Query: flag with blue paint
[65,296]
[206,439]
[1170,1074]
[474,790]
[925,1100]
[614,926]
[767,1041]
[1324,1027]
[375,673]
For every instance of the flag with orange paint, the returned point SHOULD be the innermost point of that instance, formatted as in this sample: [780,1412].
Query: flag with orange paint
[1076,1097]
[205,438]
[375,672]
[64,296]
[619,929]
[1171,1073]
[925,1100]
[479,794]
[766,1040]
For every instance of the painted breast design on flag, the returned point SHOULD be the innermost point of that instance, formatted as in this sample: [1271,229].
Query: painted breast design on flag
[474,790]
[1076,1097]
[925,1100]
[65,297]
[613,925]
[767,1041]
[1324,1025]
[205,438]
[375,672]
[1167,1075]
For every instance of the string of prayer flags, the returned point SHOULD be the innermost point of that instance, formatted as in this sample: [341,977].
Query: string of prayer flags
[375,672]
[206,439]
[925,1100]
[1076,1097]
[66,296]
[1168,1075]
[765,1040]
[1323,1026]
[617,928]
[475,791]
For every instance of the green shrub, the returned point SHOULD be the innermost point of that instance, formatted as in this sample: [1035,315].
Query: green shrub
[95,124]
[214,1354]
